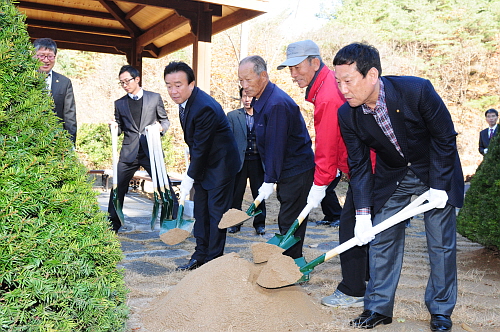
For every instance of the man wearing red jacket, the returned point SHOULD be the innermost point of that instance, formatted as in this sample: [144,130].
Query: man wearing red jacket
[308,70]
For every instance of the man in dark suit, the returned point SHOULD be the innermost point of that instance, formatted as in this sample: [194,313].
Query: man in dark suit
[243,126]
[133,112]
[407,124]
[284,145]
[487,134]
[59,85]
[213,165]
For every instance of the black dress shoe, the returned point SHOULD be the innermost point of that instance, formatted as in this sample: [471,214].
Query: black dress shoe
[441,323]
[191,265]
[323,222]
[369,319]
[234,229]
[261,230]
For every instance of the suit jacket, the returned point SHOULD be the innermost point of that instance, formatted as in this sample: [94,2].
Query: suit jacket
[64,102]
[484,139]
[424,130]
[238,123]
[212,147]
[152,110]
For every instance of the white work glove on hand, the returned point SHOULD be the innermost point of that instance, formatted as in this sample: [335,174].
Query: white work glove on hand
[440,197]
[266,190]
[316,195]
[186,185]
[485,151]
[363,229]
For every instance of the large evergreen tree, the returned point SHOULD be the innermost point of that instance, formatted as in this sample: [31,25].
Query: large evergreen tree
[57,255]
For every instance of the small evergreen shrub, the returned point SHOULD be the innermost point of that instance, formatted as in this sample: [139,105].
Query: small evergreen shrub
[479,219]
[94,141]
[57,255]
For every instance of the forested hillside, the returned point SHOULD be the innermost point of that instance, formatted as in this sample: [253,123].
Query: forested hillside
[454,43]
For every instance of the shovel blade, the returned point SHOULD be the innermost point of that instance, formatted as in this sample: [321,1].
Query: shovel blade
[252,210]
[156,208]
[179,222]
[118,207]
[166,207]
[284,241]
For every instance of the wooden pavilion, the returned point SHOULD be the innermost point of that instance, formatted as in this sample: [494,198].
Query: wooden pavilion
[139,28]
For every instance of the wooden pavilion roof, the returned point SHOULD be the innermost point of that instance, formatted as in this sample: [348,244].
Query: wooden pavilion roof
[137,28]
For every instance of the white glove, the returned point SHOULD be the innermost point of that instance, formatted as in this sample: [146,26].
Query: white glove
[266,190]
[186,185]
[316,195]
[485,151]
[363,229]
[440,197]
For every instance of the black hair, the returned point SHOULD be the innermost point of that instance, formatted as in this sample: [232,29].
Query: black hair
[47,43]
[131,70]
[177,66]
[365,56]
[491,110]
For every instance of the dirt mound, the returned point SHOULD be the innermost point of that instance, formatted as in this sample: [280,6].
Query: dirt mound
[222,295]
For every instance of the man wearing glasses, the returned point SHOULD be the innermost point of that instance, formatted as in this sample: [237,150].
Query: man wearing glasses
[59,85]
[133,112]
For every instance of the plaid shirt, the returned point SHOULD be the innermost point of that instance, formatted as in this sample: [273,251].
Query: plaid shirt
[381,115]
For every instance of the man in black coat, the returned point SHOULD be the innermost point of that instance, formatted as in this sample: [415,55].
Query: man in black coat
[213,165]
[407,124]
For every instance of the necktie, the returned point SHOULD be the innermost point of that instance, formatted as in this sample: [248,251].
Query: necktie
[491,133]
[135,98]
[181,114]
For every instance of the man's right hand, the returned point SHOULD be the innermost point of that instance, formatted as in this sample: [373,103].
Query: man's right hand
[113,123]
[266,190]
[363,230]
[316,195]
[186,185]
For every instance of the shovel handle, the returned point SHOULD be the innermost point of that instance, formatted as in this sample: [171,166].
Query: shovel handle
[255,204]
[412,209]
[114,145]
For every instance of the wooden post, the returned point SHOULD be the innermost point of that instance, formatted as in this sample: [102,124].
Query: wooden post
[202,55]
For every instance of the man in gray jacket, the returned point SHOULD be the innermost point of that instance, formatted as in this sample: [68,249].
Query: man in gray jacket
[133,112]
[242,125]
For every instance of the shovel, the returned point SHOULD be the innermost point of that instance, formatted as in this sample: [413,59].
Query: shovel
[234,217]
[261,251]
[166,197]
[412,209]
[114,191]
[174,231]
[157,201]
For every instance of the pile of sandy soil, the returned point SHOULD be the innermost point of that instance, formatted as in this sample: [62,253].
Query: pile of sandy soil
[222,295]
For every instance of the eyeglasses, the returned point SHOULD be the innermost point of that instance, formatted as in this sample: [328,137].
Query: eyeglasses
[49,57]
[125,82]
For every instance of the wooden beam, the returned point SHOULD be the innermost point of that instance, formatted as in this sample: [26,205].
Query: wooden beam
[187,5]
[120,16]
[177,45]
[218,26]
[64,10]
[161,29]
[80,38]
[134,11]
[151,50]
[77,28]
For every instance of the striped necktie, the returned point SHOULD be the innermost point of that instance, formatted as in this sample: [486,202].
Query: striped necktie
[181,114]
